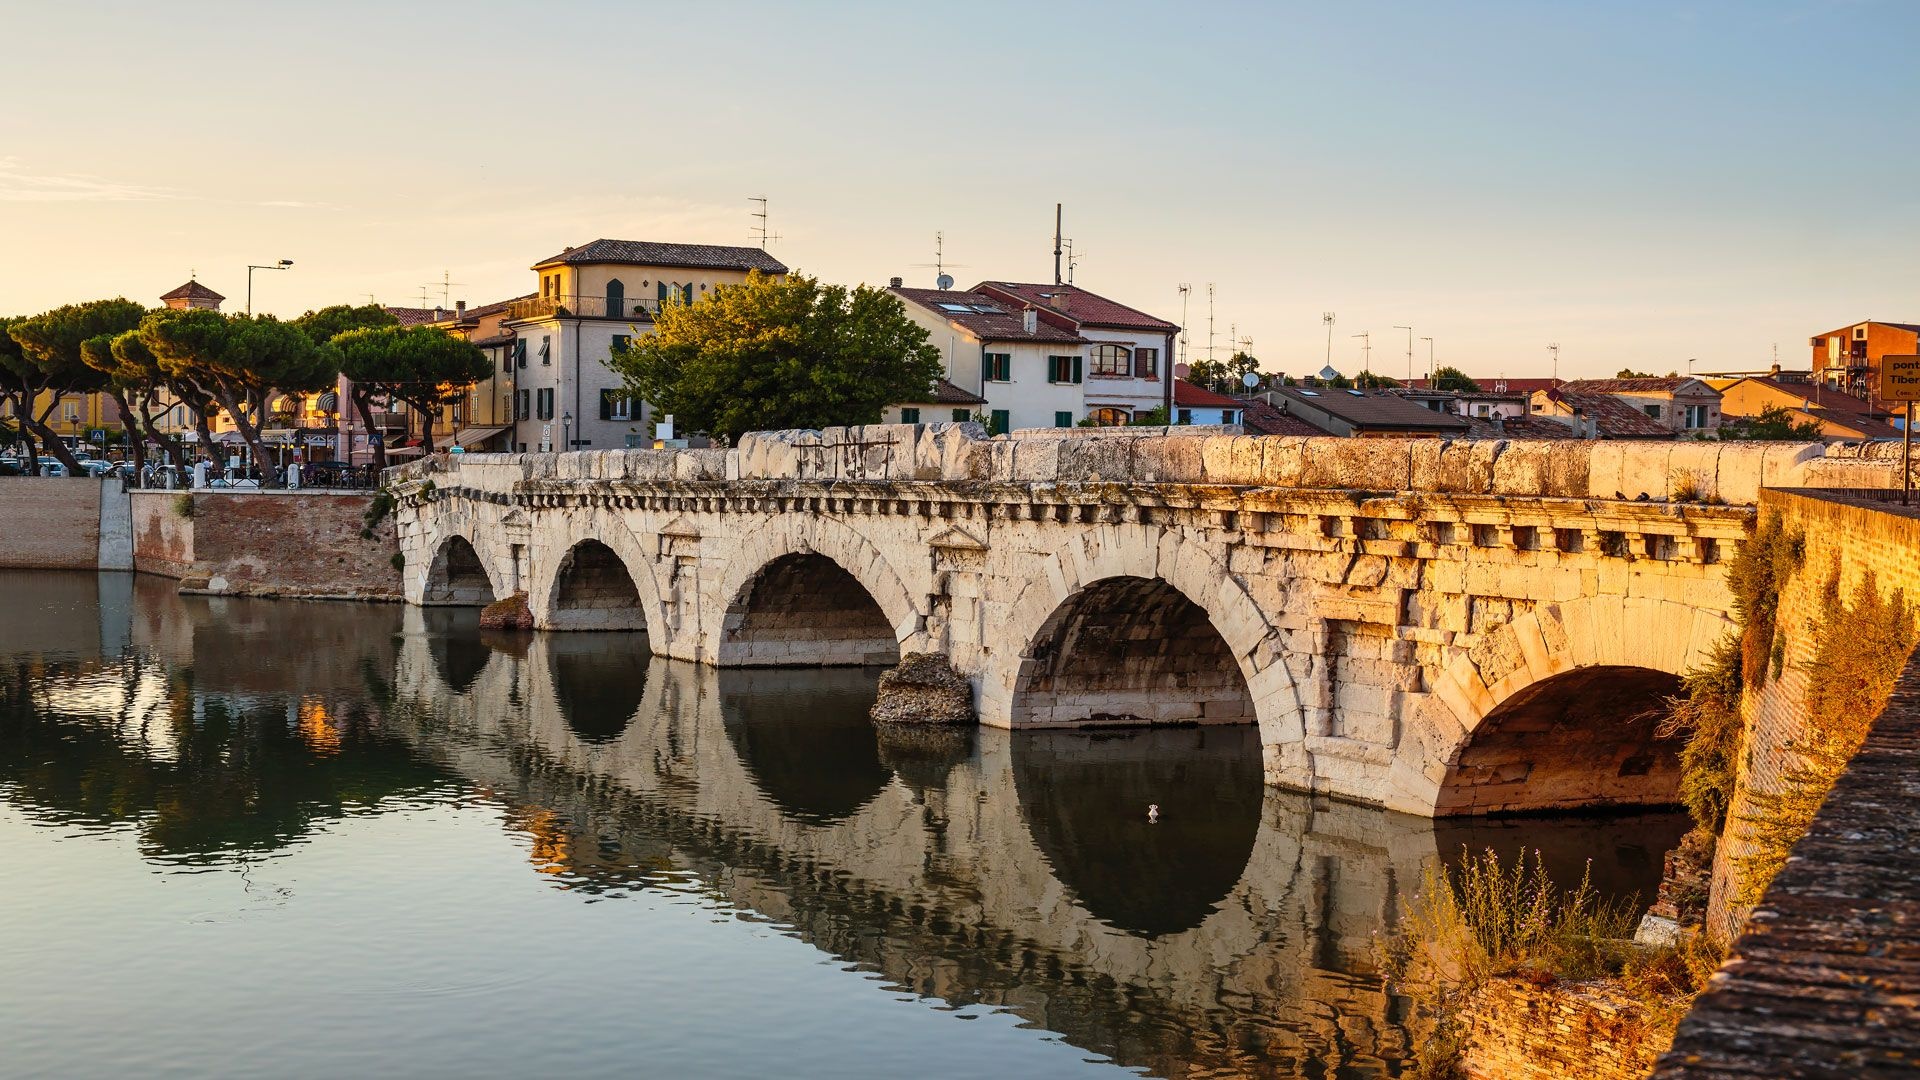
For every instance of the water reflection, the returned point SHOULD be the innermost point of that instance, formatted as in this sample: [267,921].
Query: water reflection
[970,868]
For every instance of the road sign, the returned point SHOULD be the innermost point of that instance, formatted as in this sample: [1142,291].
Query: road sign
[1900,378]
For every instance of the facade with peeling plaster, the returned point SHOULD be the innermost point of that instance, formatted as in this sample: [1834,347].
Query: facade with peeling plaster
[1437,627]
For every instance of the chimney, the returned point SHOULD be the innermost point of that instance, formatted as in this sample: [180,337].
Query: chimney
[460,310]
[1030,321]
[439,313]
[1058,301]
[1773,372]
[894,283]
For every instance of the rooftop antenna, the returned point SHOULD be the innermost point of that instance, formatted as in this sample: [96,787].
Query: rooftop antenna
[759,228]
[939,264]
[1554,348]
[1186,291]
[1209,322]
[1429,342]
[1409,331]
[1366,350]
[1327,317]
[1056,243]
[426,293]
[1073,260]
[446,289]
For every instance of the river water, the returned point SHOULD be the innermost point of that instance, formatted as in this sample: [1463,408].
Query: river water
[274,838]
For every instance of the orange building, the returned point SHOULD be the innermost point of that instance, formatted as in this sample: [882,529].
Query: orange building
[1849,358]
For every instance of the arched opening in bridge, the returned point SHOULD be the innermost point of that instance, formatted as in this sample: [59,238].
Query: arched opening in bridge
[457,576]
[803,610]
[1084,798]
[1583,738]
[598,682]
[1129,650]
[594,590]
[805,739]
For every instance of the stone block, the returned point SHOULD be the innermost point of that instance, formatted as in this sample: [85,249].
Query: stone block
[1092,460]
[1234,460]
[1644,469]
[1568,468]
[1523,468]
[1283,459]
[1169,459]
[1037,461]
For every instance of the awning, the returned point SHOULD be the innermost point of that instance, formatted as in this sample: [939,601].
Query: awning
[474,436]
[406,451]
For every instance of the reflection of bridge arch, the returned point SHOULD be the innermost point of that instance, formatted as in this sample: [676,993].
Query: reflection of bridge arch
[599,682]
[595,574]
[459,575]
[1181,581]
[1558,709]
[805,740]
[810,591]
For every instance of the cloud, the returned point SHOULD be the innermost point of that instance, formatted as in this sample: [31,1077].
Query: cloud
[17,184]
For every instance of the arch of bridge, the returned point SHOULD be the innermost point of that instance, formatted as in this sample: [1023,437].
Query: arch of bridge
[792,534]
[558,539]
[443,534]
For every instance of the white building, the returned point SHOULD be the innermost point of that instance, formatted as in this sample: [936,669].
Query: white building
[593,299]
[1128,351]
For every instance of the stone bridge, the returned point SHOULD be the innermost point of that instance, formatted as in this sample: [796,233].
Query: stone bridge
[1435,627]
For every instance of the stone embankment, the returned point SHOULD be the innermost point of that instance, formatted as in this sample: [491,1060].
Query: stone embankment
[924,689]
[1514,1030]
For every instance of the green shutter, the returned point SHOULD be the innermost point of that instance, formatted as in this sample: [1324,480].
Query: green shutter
[1002,423]
[606,404]
[687,293]
[909,416]
[961,416]
[1076,369]
[1063,419]
[663,294]
[986,367]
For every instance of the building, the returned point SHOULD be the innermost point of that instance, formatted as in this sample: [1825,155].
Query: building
[1839,414]
[1193,404]
[192,295]
[1596,415]
[1026,371]
[1128,350]
[592,300]
[1849,358]
[947,404]
[1361,413]
[1681,404]
[1481,405]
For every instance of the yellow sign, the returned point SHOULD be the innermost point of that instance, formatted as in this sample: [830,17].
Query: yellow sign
[1900,378]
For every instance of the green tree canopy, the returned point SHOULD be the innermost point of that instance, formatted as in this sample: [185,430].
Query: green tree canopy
[1452,378]
[424,366]
[1629,373]
[1368,380]
[50,364]
[1223,376]
[769,354]
[330,322]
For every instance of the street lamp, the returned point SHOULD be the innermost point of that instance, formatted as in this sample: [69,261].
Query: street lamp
[281,265]
[566,431]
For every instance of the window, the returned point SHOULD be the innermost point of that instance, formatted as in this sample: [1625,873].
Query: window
[523,405]
[546,350]
[1146,363]
[1229,416]
[520,352]
[1186,416]
[506,359]
[1652,411]
[1063,419]
[616,298]
[615,405]
[621,343]
[1112,360]
[73,412]
[909,416]
[543,403]
[1482,410]
[996,367]
[999,423]
[1063,369]
[1696,416]
[1109,417]
[961,416]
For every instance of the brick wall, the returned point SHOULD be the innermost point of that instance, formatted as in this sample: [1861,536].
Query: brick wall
[266,544]
[1568,1031]
[49,524]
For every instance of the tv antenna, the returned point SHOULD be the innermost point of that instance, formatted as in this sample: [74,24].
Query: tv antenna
[1186,291]
[759,227]
[1366,350]
[445,285]
[1409,331]
[1209,322]
[1554,348]
[1073,260]
[939,265]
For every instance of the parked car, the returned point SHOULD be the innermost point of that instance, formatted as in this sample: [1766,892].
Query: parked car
[10,467]
[52,468]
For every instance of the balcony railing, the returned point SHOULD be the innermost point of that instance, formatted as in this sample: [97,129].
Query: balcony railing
[582,307]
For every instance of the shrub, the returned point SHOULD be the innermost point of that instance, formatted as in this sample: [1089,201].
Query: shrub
[1708,715]
[1762,569]
[183,505]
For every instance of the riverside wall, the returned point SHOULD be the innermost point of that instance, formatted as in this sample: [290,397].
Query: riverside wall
[266,543]
[61,523]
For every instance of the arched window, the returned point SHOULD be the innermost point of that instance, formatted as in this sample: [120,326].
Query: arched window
[1112,360]
[616,298]
[1109,417]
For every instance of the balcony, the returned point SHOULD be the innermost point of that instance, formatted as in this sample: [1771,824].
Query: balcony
[582,307]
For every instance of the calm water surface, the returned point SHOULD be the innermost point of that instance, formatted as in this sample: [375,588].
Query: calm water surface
[249,838]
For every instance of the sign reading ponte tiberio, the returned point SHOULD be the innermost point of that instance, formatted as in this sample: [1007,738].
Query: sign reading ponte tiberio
[1900,378]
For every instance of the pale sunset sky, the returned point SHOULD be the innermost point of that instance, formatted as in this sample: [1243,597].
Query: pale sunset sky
[1642,183]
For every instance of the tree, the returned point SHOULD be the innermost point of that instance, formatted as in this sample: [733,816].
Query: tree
[50,364]
[424,366]
[769,354]
[1774,424]
[1368,380]
[239,362]
[1223,376]
[330,322]
[1629,373]
[1452,378]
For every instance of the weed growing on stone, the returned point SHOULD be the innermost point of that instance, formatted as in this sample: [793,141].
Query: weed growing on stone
[1707,715]
[1758,574]
[183,505]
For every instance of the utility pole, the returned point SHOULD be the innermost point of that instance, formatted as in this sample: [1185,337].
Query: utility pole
[1056,243]
[1366,351]
[1409,331]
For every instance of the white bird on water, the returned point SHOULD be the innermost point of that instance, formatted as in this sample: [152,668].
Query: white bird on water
[1153,813]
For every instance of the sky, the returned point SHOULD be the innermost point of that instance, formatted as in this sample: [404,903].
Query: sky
[1643,184]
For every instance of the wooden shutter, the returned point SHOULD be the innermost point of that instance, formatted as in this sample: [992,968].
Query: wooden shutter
[1076,369]
[606,404]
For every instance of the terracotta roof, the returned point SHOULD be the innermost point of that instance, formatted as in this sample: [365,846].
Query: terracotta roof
[1616,418]
[497,339]
[1519,427]
[946,393]
[192,290]
[685,256]
[1911,328]
[1077,304]
[1662,384]
[1815,396]
[1193,395]
[419,316]
[1500,386]
[985,317]
[1860,424]
[1260,418]
[1373,409]
[496,307]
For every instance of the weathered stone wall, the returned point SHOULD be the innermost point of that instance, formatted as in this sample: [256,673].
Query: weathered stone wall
[1567,1031]
[266,543]
[49,523]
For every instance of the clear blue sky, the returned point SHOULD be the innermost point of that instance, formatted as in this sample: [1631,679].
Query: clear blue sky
[1642,183]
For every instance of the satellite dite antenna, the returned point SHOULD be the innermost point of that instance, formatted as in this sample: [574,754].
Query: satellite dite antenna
[759,228]
[942,279]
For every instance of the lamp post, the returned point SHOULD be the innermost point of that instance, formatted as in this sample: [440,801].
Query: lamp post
[566,431]
[281,265]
